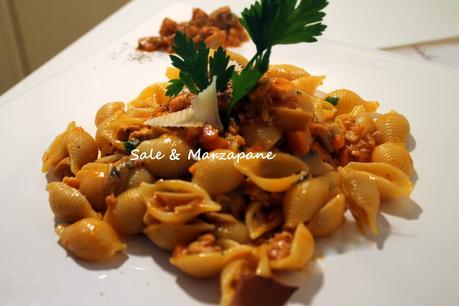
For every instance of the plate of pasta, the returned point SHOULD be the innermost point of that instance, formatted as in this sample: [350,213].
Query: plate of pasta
[227,162]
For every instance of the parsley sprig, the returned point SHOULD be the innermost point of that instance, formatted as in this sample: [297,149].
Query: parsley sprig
[196,68]
[269,23]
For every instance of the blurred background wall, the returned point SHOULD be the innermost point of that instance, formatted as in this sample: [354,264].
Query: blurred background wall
[31,31]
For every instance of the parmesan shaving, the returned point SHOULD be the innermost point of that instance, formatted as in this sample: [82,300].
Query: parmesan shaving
[203,110]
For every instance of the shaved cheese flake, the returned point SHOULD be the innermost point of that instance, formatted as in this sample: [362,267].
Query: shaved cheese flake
[204,109]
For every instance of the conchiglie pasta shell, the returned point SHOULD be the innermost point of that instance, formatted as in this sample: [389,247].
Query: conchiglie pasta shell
[82,149]
[261,135]
[139,175]
[316,165]
[236,231]
[176,202]
[329,218]
[112,132]
[289,119]
[308,84]
[107,110]
[125,212]
[68,204]
[363,197]
[304,200]
[204,265]
[323,110]
[229,278]
[259,222]
[285,71]
[301,251]
[90,239]
[208,174]
[274,175]
[167,236]
[166,167]
[95,184]
[394,154]
[347,100]
[391,182]
[58,149]
[394,127]
[334,178]
[151,97]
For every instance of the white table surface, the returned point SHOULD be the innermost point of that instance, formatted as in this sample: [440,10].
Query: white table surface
[369,23]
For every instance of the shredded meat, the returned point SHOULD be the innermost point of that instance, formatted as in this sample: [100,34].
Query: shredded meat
[219,29]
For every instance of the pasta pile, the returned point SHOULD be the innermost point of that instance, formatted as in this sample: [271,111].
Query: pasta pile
[251,218]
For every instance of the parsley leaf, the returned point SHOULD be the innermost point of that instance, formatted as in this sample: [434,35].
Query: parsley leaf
[248,78]
[279,22]
[332,100]
[196,68]
[218,64]
[192,62]
[130,145]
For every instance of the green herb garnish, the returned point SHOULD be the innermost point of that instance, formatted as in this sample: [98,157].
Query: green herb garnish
[196,68]
[131,145]
[269,23]
[275,22]
[332,100]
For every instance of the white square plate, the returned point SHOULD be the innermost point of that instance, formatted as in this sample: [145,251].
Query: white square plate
[414,262]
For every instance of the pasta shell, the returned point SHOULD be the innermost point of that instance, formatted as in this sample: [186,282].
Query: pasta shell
[260,135]
[394,127]
[391,182]
[304,200]
[291,253]
[334,178]
[139,175]
[394,154]
[260,219]
[347,100]
[230,276]
[285,71]
[323,110]
[290,119]
[253,264]
[235,231]
[329,218]
[363,197]
[207,263]
[82,149]
[113,132]
[58,172]
[274,175]
[167,236]
[207,173]
[68,204]
[57,150]
[316,165]
[95,184]
[107,110]
[176,202]
[125,212]
[309,84]
[90,239]
[151,97]
[166,167]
